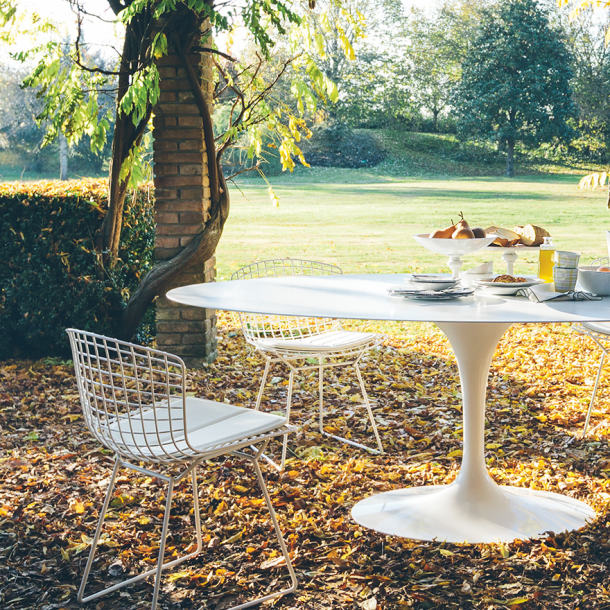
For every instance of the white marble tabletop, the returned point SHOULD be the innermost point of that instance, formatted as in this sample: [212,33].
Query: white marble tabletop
[366,297]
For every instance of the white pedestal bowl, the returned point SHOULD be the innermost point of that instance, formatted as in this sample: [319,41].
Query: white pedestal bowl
[455,249]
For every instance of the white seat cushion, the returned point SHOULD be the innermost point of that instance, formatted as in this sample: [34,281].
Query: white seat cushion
[598,327]
[331,341]
[208,424]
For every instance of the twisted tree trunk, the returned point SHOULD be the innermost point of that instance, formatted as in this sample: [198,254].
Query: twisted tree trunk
[183,34]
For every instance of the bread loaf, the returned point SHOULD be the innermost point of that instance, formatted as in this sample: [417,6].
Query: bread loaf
[531,235]
[506,237]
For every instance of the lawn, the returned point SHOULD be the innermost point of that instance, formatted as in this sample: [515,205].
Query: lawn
[363,220]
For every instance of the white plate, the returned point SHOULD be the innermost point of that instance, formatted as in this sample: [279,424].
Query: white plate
[430,295]
[504,289]
[432,282]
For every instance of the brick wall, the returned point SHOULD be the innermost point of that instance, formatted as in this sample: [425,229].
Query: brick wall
[182,194]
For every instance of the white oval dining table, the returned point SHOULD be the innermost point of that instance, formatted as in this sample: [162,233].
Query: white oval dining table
[473,508]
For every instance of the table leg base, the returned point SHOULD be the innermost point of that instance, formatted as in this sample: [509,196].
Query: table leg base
[439,512]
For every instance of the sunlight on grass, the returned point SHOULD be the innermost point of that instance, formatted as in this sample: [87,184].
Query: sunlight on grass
[367,227]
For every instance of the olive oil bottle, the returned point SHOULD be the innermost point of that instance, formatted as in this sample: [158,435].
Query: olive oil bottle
[545,261]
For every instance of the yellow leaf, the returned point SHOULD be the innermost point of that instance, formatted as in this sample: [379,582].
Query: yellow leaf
[78,508]
[234,538]
[445,552]
[143,520]
[240,489]
[456,453]
[493,445]
[174,576]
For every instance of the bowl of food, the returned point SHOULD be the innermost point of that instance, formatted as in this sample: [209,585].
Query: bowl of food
[595,279]
[455,241]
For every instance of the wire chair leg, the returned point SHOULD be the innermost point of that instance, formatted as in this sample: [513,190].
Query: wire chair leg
[98,531]
[599,374]
[288,405]
[321,393]
[280,538]
[160,566]
[259,398]
[196,511]
[367,404]
[168,505]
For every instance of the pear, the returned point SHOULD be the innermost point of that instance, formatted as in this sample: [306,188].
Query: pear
[463,223]
[479,232]
[443,233]
[463,233]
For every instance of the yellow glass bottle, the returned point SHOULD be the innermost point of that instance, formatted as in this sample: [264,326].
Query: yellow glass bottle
[545,261]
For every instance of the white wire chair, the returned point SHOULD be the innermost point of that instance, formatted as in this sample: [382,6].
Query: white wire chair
[291,340]
[600,333]
[134,402]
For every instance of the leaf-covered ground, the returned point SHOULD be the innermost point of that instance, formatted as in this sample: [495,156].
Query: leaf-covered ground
[53,478]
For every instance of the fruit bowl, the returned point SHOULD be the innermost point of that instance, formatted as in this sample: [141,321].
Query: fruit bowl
[592,280]
[453,248]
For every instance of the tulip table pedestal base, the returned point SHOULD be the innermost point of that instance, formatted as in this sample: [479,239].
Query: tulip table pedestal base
[472,508]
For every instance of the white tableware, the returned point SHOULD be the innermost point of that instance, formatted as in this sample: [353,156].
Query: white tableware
[565,279]
[432,282]
[453,248]
[508,289]
[431,295]
[592,280]
[566,260]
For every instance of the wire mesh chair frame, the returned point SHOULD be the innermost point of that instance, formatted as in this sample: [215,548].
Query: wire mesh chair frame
[259,328]
[603,342]
[600,339]
[122,388]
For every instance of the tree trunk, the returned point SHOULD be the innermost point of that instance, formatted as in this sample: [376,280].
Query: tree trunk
[166,274]
[126,136]
[63,157]
[435,113]
[510,158]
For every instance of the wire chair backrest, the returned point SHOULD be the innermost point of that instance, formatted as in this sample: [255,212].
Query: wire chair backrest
[259,326]
[281,267]
[133,397]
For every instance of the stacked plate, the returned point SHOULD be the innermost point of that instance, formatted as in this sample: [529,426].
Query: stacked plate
[431,288]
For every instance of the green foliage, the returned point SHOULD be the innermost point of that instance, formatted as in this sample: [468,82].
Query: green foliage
[515,83]
[48,264]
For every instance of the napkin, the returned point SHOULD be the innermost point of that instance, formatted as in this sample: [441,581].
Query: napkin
[542,293]
[483,268]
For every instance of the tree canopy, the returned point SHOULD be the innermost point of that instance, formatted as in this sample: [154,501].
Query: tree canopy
[73,89]
[515,83]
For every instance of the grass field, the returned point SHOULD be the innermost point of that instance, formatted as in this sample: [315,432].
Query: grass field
[364,222]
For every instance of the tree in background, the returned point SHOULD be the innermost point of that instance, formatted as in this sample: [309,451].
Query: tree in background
[590,83]
[515,84]
[438,41]
[21,137]
[71,90]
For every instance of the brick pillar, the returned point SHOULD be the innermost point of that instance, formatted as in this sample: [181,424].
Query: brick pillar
[182,201]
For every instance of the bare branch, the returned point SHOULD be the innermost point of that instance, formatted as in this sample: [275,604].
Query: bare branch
[243,171]
[199,49]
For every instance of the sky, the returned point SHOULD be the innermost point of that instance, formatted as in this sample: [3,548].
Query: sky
[100,34]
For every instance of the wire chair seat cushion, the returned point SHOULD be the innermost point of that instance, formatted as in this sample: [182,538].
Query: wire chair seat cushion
[149,434]
[598,327]
[328,342]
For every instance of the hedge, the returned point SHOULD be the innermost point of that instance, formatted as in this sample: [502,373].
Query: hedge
[50,278]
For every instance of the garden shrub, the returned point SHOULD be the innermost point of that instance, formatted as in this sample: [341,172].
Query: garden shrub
[50,278]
